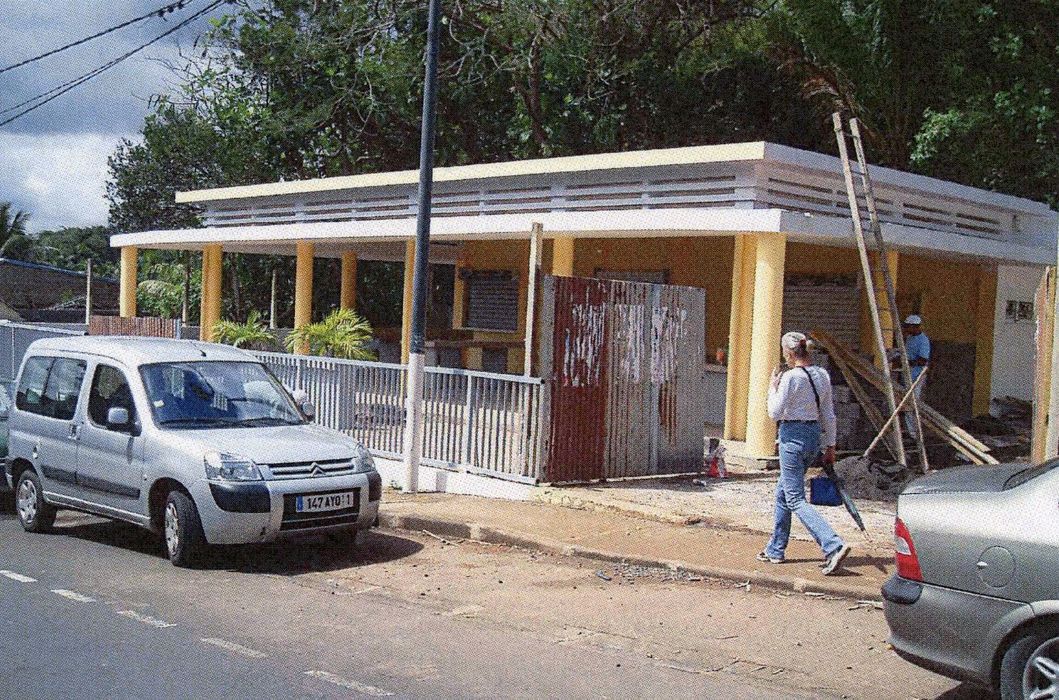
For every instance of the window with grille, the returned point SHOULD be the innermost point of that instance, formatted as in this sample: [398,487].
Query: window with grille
[492,301]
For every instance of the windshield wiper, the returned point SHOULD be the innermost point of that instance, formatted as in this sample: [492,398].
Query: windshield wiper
[197,421]
[264,421]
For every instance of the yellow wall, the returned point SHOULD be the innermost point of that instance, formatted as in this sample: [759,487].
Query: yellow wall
[944,293]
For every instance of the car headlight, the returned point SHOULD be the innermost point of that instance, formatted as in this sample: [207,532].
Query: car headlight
[363,461]
[229,467]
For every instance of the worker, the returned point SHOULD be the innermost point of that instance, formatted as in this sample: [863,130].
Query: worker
[917,344]
[799,399]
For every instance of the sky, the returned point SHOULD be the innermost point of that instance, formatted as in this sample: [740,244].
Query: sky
[53,161]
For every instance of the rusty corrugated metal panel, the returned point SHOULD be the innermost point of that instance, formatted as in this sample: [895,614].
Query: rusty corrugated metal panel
[141,326]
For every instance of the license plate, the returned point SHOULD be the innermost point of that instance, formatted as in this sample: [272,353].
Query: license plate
[325,502]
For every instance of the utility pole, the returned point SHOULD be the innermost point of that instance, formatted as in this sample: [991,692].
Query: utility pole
[413,430]
[88,292]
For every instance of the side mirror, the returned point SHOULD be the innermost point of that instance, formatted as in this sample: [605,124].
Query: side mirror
[300,396]
[308,409]
[118,417]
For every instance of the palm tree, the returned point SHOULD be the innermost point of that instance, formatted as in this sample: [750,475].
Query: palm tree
[343,334]
[253,334]
[13,239]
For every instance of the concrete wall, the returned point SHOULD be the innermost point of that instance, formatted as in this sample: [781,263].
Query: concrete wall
[1014,344]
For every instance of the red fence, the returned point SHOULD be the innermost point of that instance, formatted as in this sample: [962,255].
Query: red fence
[142,326]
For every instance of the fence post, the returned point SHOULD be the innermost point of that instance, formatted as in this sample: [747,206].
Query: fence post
[468,424]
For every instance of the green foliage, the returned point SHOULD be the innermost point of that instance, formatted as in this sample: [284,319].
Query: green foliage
[251,334]
[72,247]
[160,291]
[13,240]
[343,333]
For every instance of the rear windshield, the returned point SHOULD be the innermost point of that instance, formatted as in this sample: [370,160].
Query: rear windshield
[1029,474]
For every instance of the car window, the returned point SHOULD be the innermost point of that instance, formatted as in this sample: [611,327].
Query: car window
[30,394]
[1029,474]
[110,389]
[64,387]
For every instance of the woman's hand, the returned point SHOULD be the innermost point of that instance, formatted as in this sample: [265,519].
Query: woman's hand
[829,455]
[777,373]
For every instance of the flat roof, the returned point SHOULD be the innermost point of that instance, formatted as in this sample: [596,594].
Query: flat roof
[691,155]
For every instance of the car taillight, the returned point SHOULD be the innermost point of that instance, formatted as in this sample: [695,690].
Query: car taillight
[905,553]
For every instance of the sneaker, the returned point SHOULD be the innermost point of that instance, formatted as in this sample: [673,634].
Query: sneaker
[835,560]
[764,557]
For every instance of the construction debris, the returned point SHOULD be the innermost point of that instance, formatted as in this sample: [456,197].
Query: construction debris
[874,481]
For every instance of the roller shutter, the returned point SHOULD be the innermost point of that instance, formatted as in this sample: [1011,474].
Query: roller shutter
[828,305]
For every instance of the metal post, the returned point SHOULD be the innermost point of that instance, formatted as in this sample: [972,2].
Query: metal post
[88,292]
[416,359]
[531,295]
[273,312]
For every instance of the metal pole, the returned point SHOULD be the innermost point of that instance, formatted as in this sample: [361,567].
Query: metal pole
[531,296]
[273,311]
[416,359]
[88,292]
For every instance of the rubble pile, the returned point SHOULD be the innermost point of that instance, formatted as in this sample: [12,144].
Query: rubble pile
[874,481]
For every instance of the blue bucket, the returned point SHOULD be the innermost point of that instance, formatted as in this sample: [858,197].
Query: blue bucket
[824,492]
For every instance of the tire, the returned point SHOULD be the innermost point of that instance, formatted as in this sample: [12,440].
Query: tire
[33,512]
[1030,663]
[182,530]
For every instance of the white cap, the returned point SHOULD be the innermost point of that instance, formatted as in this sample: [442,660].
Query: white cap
[913,320]
[792,340]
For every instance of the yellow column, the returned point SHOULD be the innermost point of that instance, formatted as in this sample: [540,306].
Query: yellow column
[406,310]
[985,315]
[348,296]
[303,287]
[210,308]
[739,334]
[769,260]
[563,256]
[127,289]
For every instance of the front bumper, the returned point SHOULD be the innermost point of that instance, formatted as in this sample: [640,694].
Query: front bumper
[944,630]
[244,513]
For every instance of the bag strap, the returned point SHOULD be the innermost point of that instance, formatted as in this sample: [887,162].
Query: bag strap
[816,394]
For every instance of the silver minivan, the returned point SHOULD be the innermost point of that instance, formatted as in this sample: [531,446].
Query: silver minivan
[195,441]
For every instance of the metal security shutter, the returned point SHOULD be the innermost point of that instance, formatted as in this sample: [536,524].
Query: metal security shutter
[492,301]
[831,306]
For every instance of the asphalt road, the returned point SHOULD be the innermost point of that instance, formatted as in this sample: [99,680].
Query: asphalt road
[94,611]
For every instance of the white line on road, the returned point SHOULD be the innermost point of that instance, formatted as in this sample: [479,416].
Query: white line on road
[348,684]
[73,595]
[235,648]
[146,619]
[17,577]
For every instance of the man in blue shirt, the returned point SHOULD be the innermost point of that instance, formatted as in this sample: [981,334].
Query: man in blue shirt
[918,346]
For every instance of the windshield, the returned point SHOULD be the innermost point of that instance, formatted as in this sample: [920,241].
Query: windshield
[217,395]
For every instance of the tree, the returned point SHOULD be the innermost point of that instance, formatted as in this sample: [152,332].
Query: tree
[14,242]
[72,247]
[342,334]
[252,333]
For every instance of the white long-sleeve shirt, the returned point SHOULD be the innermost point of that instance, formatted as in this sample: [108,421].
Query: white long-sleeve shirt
[793,399]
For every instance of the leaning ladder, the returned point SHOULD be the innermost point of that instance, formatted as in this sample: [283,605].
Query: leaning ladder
[869,279]
[891,294]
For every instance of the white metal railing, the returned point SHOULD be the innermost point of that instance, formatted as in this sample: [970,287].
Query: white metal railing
[14,341]
[473,421]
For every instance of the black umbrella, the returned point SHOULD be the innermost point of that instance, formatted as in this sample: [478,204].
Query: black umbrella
[829,469]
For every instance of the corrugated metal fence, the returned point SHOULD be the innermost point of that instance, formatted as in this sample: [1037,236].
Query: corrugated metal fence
[625,367]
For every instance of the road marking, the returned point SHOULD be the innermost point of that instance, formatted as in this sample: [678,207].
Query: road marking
[17,577]
[348,684]
[235,648]
[73,595]
[146,619]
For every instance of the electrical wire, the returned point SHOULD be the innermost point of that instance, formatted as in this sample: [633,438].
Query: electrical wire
[160,12]
[56,92]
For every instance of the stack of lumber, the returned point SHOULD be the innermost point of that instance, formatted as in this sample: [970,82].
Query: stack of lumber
[855,368]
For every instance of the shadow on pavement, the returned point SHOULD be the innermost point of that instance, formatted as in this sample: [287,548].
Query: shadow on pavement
[7,505]
[966,691]
[290,557]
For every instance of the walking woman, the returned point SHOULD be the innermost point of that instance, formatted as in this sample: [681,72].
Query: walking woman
[800,400]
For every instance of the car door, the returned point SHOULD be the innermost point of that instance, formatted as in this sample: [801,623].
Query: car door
[48,395]
[110,457]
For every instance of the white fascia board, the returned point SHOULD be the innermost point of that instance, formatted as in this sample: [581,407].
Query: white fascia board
[520,168]
[834,230]
[579,224]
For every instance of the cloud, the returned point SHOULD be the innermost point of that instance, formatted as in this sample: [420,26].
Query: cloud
[59,179]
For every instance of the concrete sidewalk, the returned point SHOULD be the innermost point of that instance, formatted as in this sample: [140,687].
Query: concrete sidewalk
[709,549]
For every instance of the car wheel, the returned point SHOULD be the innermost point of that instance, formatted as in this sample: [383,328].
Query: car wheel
[182,530]
[1030,667]
[34,514]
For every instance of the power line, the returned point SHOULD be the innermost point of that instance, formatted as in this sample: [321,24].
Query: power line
[160,12]
[56,92]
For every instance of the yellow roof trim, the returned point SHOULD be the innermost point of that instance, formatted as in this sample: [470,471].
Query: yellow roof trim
[542,166]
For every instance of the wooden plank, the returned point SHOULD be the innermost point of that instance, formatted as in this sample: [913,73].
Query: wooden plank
[1042,385]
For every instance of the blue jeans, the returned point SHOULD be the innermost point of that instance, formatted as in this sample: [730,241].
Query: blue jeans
[799,445]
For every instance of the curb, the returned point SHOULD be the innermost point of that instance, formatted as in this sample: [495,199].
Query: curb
[491,535]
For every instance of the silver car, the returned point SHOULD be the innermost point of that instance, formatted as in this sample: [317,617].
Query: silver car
[195,441]
[976,593]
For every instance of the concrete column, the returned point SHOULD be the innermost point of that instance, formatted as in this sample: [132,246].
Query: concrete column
[740,330]
[210,308]
[127,285]
[303,287]
[348,297]
[563,256]
[769,261]
[406,310]
[985,315]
